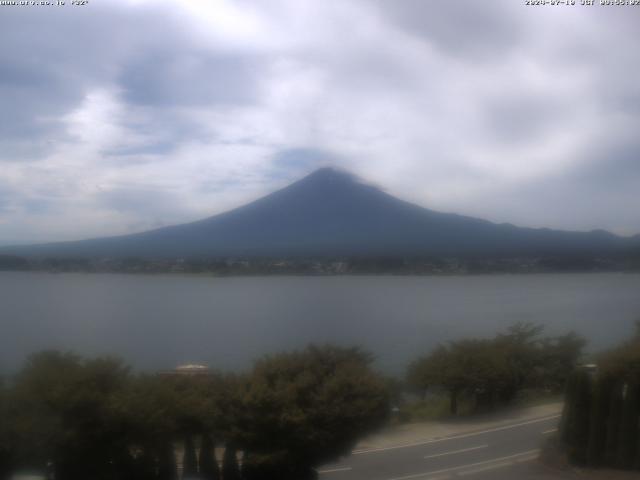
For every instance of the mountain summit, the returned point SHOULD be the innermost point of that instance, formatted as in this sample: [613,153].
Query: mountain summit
[331,212]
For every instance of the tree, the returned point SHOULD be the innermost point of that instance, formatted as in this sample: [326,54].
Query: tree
[624,361]
[189,459]
[163,409]
[305,408]
[144,465]
[577,421]
[628,431]
[5,442]
[478,369]
[64,411]
[559,357]
[250,467]
[167,469]
[439,369]
[230,468]
[521,348]
[598,420]
[493,371]
[616,400]
[207,461]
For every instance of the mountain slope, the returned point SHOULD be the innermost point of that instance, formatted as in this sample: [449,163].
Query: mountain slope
[331,213]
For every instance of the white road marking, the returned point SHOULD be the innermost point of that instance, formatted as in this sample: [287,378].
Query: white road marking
[546,432]
[528,459]
[456,451]
[454,437]
[334,470]
[495,461]
[493,466]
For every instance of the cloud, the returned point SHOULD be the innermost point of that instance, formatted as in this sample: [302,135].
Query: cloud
[292,163]
[143,207]
[183,77]
[462,28]
[129,114]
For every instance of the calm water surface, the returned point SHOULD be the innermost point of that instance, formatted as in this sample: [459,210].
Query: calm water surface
[158,322]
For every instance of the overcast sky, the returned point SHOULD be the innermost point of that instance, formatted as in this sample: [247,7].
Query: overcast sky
[124,115]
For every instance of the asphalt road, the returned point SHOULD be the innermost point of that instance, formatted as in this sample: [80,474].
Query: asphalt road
[503,452]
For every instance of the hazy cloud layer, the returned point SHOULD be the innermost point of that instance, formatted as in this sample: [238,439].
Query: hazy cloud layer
[130,114]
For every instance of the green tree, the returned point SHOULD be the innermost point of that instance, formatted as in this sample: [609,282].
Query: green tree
[167,469]
[189,459]
[230,468]
[305,408]
[578,421]
[64,411]
[629,424]
[520,345]
[559,357]
[208,465]
[441,369]
[598,420]
[493,371]
[616,401]
[624,361]
[5,441]
[478,369]
[623,364]
[144,465]
[250,467]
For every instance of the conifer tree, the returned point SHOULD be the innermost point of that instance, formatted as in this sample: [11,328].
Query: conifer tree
[249,470]
[189,459]
[598,420]
[207,461]
[144,466]
[568,412]
[579,426]
[167,469]
[613,423]
[230,468]
[628,431]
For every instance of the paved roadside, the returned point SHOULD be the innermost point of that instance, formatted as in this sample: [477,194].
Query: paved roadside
[416,433]
[503,445]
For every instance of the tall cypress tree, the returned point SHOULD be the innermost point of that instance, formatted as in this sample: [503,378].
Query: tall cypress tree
[167,469]
[249,471]
[5,464]
[636,463]
[628,430]
[189,459]
[577,421]
[613,423]
[230,468]
[144,466]
[207,461]
[598,420]
[566,422]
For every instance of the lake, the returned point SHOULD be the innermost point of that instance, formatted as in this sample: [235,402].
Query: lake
[158,322]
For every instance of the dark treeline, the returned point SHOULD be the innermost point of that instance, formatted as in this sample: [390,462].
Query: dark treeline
[491,372]
[601,420]
[78,418]
[330,265]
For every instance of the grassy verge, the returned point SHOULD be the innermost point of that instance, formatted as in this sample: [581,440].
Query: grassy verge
[436,407]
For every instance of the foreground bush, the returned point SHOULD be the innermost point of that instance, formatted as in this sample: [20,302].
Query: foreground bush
[303,409]
[78,419]
[601,421]
[494,371]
